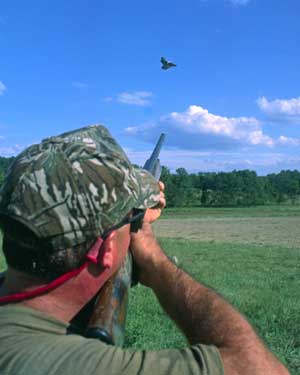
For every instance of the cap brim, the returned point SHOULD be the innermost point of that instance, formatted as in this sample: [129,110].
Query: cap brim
[149,193]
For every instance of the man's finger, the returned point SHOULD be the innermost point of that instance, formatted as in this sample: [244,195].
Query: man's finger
[161,185]
[162,202]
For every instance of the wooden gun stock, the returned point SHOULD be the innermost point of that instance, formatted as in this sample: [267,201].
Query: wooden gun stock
[107,322]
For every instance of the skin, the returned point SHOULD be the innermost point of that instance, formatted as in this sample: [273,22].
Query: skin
[202,315]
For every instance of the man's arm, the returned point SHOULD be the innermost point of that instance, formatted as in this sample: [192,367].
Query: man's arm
[202,315]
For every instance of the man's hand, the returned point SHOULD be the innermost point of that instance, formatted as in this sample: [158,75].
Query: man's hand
[154,213]
[144,247]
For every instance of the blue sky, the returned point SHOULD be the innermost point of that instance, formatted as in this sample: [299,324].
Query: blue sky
[232,102]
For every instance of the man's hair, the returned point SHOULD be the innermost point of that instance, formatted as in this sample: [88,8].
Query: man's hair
[25,252]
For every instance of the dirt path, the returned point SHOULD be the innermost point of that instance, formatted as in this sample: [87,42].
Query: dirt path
[284,231]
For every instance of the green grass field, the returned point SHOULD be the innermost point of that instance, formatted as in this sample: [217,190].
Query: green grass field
[261,278]
[220,212]
[262,282]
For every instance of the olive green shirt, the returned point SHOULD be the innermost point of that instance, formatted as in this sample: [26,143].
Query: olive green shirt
[33,343]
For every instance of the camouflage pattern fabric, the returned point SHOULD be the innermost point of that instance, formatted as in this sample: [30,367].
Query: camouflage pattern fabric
[74,187]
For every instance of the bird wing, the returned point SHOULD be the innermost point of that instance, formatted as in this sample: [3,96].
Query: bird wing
[163,60]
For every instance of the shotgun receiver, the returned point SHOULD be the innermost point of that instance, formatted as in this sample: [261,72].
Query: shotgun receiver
[107,322]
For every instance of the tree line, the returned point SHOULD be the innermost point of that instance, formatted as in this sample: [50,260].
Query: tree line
[231,189]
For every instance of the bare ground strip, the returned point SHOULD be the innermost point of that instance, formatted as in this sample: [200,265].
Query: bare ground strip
[282,231]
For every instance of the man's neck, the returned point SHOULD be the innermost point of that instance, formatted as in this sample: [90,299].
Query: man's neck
[66,300]
[16,281]
[52,303]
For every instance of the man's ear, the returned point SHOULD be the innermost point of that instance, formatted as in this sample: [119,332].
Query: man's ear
[103,251]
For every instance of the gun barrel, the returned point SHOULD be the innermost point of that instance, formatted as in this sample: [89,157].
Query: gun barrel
[151,163]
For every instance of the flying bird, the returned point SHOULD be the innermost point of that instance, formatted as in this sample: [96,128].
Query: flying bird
[166,64]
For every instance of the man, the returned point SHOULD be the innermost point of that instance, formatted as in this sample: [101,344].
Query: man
[65,198]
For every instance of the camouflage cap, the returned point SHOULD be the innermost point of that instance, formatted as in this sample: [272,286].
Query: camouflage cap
[73,187]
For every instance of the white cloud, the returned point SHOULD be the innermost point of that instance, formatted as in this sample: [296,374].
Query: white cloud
[139,98]
[239,2]
[288,141]
[196,128]
[2,88]
[202,141]
[195,161]
[79,85]
[280,108]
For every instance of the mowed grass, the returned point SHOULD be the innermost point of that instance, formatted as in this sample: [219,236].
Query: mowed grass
[283,210]
[261,281]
